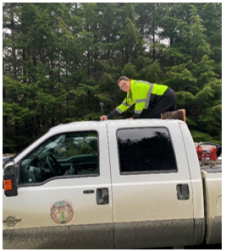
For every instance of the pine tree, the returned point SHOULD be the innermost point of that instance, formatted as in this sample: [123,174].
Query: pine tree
[211,14]
[209,113]
[61,60]
[197,79]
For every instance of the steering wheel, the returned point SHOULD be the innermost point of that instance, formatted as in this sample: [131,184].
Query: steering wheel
[53,164]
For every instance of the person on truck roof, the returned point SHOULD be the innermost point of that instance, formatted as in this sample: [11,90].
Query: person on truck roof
[159,99]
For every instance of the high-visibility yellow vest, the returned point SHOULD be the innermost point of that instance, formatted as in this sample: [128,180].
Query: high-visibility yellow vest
[140,95]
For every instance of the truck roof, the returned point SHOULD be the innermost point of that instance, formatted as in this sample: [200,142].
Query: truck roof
[137,122]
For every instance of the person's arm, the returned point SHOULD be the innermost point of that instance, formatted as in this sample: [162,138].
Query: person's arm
[119,110]
[113,114]
[109,116]
[140,105]
[123,106]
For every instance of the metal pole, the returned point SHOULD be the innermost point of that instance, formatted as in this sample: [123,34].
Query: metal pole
[102,108]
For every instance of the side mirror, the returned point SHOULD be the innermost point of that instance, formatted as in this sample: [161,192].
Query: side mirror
[10,179]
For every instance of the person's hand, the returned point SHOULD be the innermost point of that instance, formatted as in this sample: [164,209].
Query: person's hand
[103,118]
[131,118]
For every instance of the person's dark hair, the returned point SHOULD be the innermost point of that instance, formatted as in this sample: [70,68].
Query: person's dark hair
[122,78]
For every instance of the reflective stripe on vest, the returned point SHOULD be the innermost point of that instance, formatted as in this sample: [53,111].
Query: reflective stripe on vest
[148,97]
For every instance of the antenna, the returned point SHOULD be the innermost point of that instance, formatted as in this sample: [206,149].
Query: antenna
[102,108]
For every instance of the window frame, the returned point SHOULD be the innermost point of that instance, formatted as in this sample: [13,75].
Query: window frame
[126,173]
[75,176]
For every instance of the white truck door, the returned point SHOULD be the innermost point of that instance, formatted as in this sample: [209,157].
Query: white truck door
[64,195]
[152,193]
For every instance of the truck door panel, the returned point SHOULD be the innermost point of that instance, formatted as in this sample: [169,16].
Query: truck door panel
[63,211]
[148,174]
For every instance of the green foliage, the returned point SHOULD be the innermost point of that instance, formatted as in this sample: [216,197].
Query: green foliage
[199,136]
[151,73]
[60,60]
[130,71]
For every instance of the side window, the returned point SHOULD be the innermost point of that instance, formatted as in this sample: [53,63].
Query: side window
[145,150]
[68,154]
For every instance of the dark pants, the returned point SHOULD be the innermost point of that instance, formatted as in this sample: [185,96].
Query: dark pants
[166,103]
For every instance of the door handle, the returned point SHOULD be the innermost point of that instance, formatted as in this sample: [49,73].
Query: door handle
[182,192]
[102,196]
[88,191]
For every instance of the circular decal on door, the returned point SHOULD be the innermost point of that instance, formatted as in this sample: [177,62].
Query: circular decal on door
[61,212]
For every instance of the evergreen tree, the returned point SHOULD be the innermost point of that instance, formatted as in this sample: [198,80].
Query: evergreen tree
[197,84]
[61,60]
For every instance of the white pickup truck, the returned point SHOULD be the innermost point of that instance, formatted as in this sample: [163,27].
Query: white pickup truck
[112,184]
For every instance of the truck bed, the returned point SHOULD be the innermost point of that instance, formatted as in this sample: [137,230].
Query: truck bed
[211,169]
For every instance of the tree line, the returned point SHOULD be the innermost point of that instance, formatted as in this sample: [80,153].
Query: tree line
[61,60]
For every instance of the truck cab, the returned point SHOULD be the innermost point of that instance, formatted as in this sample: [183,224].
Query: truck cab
[110,184]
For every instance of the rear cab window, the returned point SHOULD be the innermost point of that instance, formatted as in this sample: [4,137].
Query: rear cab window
[145,150]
